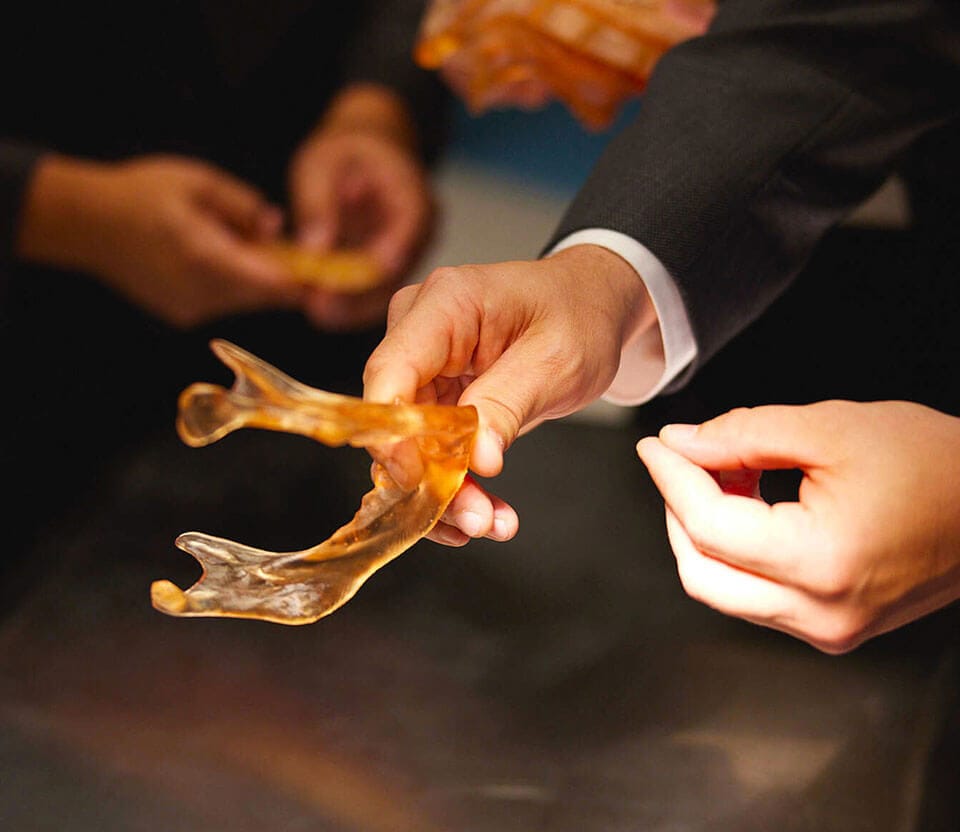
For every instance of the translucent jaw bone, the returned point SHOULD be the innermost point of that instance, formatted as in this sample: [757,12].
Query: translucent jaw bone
[300,587]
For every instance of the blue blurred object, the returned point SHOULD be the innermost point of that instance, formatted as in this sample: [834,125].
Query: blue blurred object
[548,147]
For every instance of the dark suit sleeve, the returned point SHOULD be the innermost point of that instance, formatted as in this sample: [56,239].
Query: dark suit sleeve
[381,50]
[756,138]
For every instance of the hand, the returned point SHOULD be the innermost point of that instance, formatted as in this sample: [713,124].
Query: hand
[357,182]
[873,543]
[170,234]
[522,342]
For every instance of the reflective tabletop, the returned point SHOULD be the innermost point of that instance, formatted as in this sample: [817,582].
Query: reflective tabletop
[558,682]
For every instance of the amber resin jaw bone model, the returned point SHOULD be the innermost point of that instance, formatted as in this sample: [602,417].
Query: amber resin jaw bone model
[239,581]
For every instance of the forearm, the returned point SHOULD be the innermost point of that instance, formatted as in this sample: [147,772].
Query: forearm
[62,215]
[370,107]
[380,51]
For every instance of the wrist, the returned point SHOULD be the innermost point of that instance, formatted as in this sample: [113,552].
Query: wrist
[373,109]
[60,220]
[603,268]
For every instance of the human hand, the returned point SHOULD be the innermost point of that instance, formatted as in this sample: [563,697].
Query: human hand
[522,342]
[171,234]
[872,544]
[357,182]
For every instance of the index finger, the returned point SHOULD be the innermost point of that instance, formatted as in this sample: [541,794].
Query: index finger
[423,341]
[763,438]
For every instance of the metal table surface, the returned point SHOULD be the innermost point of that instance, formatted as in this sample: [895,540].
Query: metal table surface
[558,682]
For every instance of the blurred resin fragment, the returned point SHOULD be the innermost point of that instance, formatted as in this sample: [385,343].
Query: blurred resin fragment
[590,54]
[340,270]
[299,587]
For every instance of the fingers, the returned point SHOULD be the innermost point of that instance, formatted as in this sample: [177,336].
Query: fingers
[402,460]
[511,397]
[447,535]
[775,542]
[506,331]
[849,561]
[424,340]
[724,587]
[254,276]
[759,600]
[241,206]
[402,198]
[473,513]
[429,343]
[314,200]
[363,191]
[775,436]
[235,214]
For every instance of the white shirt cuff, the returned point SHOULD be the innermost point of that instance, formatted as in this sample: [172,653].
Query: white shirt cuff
[652,359]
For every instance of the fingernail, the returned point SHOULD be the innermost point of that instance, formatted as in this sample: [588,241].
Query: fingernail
[487,457]
[500,530]
[678,432]
[469,522]
[494,437]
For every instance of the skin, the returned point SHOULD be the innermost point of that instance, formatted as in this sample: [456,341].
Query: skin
[872,543]
[176,235]
[523,342]
[357,181]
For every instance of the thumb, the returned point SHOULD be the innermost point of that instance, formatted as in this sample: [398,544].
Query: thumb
[761,438]
[513,396]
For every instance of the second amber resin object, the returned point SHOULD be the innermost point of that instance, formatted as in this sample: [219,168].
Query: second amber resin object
[300,587]
[342,270]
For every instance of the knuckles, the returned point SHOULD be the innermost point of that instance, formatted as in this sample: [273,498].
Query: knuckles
[840,631]
[445,276]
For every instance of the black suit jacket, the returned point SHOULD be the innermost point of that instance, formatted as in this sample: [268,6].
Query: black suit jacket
[755,139]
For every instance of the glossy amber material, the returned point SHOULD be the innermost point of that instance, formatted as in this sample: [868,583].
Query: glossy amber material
[591,54]
[341,270]
[300,587]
